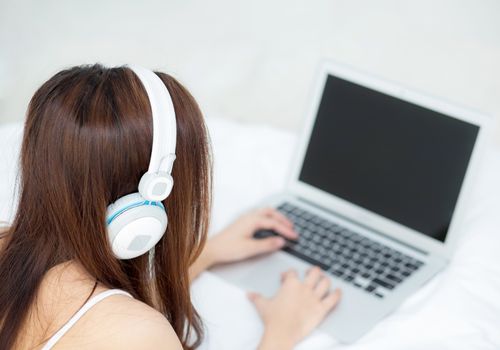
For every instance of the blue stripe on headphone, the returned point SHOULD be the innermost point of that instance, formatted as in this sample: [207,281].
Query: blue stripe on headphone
[133,205]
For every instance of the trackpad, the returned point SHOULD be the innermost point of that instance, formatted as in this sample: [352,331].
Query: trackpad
[263,275]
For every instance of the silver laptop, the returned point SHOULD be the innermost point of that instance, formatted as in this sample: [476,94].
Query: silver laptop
[377,192]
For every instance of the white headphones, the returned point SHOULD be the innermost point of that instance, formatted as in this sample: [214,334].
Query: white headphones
[137,221]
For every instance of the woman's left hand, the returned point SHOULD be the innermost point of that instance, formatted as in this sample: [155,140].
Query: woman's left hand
[236,242]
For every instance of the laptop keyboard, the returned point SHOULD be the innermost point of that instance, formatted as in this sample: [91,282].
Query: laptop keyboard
[358,260]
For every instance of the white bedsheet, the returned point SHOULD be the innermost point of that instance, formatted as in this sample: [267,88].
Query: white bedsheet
[459,309]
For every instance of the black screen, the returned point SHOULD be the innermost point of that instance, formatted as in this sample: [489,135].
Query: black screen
[397,159]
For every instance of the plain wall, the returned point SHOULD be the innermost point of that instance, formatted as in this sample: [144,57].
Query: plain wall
[255,60]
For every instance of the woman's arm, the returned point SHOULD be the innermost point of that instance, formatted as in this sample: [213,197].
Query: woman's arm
[236,242]
[204,262]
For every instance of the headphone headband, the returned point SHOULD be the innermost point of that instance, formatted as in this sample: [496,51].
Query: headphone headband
[164,136]
[137,221]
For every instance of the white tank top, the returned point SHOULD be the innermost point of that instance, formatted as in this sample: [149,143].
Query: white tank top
[86,307]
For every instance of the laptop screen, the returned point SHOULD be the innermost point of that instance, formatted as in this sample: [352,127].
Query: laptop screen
[394,158]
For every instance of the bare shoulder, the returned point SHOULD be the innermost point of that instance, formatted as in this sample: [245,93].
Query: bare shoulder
[147,328]
[120,322]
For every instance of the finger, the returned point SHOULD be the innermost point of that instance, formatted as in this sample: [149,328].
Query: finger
[322,287]
[266,245]
[268,223]
[277,215]
[289,275]
[313,276]
[258,300]
[331,299]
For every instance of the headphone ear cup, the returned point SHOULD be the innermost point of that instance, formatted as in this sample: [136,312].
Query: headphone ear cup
[135,225]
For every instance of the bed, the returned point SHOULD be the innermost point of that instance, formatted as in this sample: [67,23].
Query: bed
[459,309]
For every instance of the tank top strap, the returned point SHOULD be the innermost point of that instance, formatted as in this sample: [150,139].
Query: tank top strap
[79,314]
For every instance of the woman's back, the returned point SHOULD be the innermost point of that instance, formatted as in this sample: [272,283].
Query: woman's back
[118,321]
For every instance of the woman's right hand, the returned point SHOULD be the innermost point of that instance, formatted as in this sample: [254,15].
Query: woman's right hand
[297,308]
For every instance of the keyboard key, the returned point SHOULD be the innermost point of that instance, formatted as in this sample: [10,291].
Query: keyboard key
[325,224]
[307,216]
[263,234]
[348,278]
[370,288]
[363,282]
[393,278]
[411,266]
[306,258]
[383,283]
[337,273]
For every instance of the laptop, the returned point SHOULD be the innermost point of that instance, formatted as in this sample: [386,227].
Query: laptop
[377,193]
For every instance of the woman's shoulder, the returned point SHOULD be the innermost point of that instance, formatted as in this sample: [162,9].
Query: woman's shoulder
[121,322]
[132,324]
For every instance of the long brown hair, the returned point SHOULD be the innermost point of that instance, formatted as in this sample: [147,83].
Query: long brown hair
[87,141]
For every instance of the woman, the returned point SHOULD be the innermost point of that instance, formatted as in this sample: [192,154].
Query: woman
[87,141]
